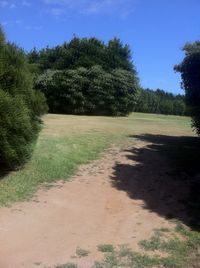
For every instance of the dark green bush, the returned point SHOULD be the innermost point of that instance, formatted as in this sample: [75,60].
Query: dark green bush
[16,131]
[190,74]
[20,106]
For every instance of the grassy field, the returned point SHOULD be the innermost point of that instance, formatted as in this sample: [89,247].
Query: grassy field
[68,141]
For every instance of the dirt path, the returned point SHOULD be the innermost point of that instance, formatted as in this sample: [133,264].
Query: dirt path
[119,199]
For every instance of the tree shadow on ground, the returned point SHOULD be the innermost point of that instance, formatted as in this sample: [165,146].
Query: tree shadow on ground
[165,175]
[3,171]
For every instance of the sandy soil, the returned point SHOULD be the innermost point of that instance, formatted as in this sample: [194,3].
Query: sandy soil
[119,199]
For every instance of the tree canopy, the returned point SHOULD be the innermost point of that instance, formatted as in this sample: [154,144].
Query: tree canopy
[87,76]
[84,52]
[190,74]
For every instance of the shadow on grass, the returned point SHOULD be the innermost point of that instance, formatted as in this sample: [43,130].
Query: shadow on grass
[3,171]
[165,175]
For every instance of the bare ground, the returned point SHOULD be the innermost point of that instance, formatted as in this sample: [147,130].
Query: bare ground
[119,199]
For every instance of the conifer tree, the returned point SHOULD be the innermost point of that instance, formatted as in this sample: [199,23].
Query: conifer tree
[20,106]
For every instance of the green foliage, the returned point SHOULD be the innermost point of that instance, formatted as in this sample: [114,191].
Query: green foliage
[89,91]
[67,265]
[125,257]
[86,76]
[106,248]
[16,131]
[179,248]
[181,245]
[160,102]
[84,52]
[81,252]
[20,106]
[153,244]
[190,74]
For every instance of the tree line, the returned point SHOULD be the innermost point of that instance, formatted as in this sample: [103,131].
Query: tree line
[86,76]
[160,102]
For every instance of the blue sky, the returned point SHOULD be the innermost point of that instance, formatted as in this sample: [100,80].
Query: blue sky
[156,30]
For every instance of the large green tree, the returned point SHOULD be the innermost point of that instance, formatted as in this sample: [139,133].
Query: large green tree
[20,106]
[84,52]
[190,73]
[87,76]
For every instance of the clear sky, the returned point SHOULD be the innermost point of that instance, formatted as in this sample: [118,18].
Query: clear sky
[156,30]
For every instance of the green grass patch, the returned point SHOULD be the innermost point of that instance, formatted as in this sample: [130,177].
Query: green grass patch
[182,247]
[105,248]
[53,159]
[123,256]
[80,252]
[67,265]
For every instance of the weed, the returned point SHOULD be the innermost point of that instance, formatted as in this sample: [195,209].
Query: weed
[164,230]
[153,244]
[183,251]
[105,248]
[80,252]
[123,256]
[67,265]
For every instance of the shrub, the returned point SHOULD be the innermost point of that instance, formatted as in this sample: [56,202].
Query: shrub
[20,106]
[190,74]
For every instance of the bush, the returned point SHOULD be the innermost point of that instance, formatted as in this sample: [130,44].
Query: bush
[20,106]
[16,131]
